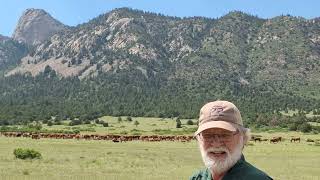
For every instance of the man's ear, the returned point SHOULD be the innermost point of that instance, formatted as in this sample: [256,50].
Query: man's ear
[246,136]
[244,141]
[197,137]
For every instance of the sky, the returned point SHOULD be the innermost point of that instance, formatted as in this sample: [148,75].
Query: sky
[74,12]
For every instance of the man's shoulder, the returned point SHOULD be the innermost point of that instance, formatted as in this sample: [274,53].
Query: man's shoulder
[251,172]
[202,174]
[257,175]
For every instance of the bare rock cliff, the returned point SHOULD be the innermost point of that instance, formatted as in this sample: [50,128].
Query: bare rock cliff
[35,26]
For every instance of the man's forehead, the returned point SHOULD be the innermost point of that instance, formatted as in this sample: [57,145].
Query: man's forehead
[216,130]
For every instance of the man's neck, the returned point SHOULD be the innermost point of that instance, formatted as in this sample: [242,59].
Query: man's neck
[217,176]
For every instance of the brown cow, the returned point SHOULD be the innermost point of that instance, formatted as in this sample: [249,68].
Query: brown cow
[294,139]
[77,136]
[257,139]
[35,136]
[275,139]
[116,140]
[310,140]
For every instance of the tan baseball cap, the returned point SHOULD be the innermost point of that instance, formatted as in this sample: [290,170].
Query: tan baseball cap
[219,114]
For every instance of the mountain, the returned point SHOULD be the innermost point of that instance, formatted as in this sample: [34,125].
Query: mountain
[36,26]
[287,50]
[253,49]
[130,62]
[11,53]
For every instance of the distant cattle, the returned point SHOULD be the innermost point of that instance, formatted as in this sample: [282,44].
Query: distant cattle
[310,140]
[116,140]
[111,137]
[255,136]
[294,139]
[257,139]
[35,136]
[77,136]
[275,139]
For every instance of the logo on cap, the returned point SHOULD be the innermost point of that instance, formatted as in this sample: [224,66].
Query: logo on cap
[216,111]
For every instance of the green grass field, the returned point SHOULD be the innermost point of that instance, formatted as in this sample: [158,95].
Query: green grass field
[73,159]
[93,159]
[147,126]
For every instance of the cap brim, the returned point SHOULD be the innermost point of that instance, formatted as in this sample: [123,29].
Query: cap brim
[216,124]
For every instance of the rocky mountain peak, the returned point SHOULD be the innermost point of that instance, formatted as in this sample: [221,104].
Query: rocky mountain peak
[35,26]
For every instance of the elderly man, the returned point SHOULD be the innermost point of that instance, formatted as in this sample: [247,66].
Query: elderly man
[221,138]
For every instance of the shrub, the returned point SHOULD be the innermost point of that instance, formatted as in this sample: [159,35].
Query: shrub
[76,131]
[26,154]
[57,122]
[305,127]
[136,123]
[25,172]
[178,125]
[293,127]
[87,122]
[35,125]
[129,118]
[189,122]
[45,121]
[105,124]
[75,122]
[316,129]
[50,123]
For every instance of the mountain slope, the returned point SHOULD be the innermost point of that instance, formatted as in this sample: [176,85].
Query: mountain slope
[36,26]
[10,53]
[128,62]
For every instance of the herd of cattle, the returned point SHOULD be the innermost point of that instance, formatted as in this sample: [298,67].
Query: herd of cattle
[274,140]
[124,138]
[114,138]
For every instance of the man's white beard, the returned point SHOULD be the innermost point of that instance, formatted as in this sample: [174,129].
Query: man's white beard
[219,166]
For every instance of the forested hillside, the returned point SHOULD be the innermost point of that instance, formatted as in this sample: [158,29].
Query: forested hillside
[134,63]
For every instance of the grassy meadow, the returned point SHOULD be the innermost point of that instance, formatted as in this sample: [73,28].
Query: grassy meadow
[93,159]
[147,126]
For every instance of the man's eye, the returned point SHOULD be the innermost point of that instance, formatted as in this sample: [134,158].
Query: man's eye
[225,135]
[211,135]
